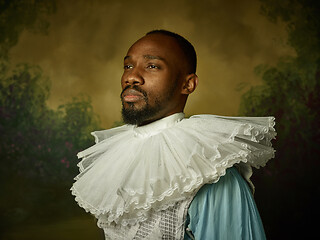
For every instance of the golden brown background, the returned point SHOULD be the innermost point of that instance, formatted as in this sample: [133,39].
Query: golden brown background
[82,53]
[87,40]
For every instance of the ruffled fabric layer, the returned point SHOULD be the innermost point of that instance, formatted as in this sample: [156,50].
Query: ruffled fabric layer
[132,171]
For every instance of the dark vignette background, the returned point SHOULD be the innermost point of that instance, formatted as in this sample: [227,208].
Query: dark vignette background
[60,68]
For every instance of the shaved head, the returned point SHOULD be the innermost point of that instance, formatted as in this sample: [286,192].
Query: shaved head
[185,45]
[156,80]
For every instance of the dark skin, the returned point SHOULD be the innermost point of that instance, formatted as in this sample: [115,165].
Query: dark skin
[157,65]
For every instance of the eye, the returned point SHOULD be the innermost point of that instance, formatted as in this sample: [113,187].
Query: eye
[127,66]
[152,66]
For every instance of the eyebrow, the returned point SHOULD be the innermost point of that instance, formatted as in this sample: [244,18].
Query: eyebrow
[148,57]
[153,57]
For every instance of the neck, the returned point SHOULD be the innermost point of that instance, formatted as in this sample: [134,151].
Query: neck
[158,118]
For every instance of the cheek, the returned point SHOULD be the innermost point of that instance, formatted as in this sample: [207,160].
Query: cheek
[122,82]
[157,94]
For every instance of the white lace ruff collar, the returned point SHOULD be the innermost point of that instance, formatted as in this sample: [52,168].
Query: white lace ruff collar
[132,171]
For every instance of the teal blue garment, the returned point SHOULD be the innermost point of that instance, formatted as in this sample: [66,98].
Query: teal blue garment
[225,210]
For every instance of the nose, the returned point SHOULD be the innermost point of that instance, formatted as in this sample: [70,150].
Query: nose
[133,77]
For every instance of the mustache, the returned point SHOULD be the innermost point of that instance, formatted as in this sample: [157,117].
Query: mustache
[135,87]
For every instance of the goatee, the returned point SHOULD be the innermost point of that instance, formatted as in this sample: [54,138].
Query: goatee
[131,115]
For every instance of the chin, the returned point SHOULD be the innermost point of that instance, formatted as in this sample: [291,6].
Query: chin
[135,106]
[134,116]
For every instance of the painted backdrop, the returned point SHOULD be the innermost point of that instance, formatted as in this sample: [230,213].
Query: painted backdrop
[60,69]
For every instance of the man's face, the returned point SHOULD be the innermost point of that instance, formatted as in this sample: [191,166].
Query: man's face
[152,79]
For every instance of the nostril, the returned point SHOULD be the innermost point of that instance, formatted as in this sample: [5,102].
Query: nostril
[134,79]
[136,82]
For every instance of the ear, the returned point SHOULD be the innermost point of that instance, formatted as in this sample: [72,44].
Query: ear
[190,83]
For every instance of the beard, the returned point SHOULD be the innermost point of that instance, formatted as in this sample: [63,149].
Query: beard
[131,115]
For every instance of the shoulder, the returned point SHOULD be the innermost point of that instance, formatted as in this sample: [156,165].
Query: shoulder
[229,188]
[226,210]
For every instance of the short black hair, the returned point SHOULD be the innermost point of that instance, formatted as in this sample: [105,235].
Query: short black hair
[185,45]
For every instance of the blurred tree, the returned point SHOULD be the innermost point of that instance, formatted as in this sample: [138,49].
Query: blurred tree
[19,15]
[38,145]
[290,193]
[19,108]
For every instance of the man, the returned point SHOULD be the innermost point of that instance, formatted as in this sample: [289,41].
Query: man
[162,176]
[164,73]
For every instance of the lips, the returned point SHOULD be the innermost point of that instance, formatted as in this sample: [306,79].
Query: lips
[131,95]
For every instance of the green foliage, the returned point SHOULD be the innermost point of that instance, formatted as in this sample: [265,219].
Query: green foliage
[302,18]
[295,105]
[290,92]
[79,119]
[19,15]
[38,145]
[291,88]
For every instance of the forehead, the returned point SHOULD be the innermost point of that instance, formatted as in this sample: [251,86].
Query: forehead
[160,45]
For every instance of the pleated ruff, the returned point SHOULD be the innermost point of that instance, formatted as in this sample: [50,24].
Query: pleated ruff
[132,171]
